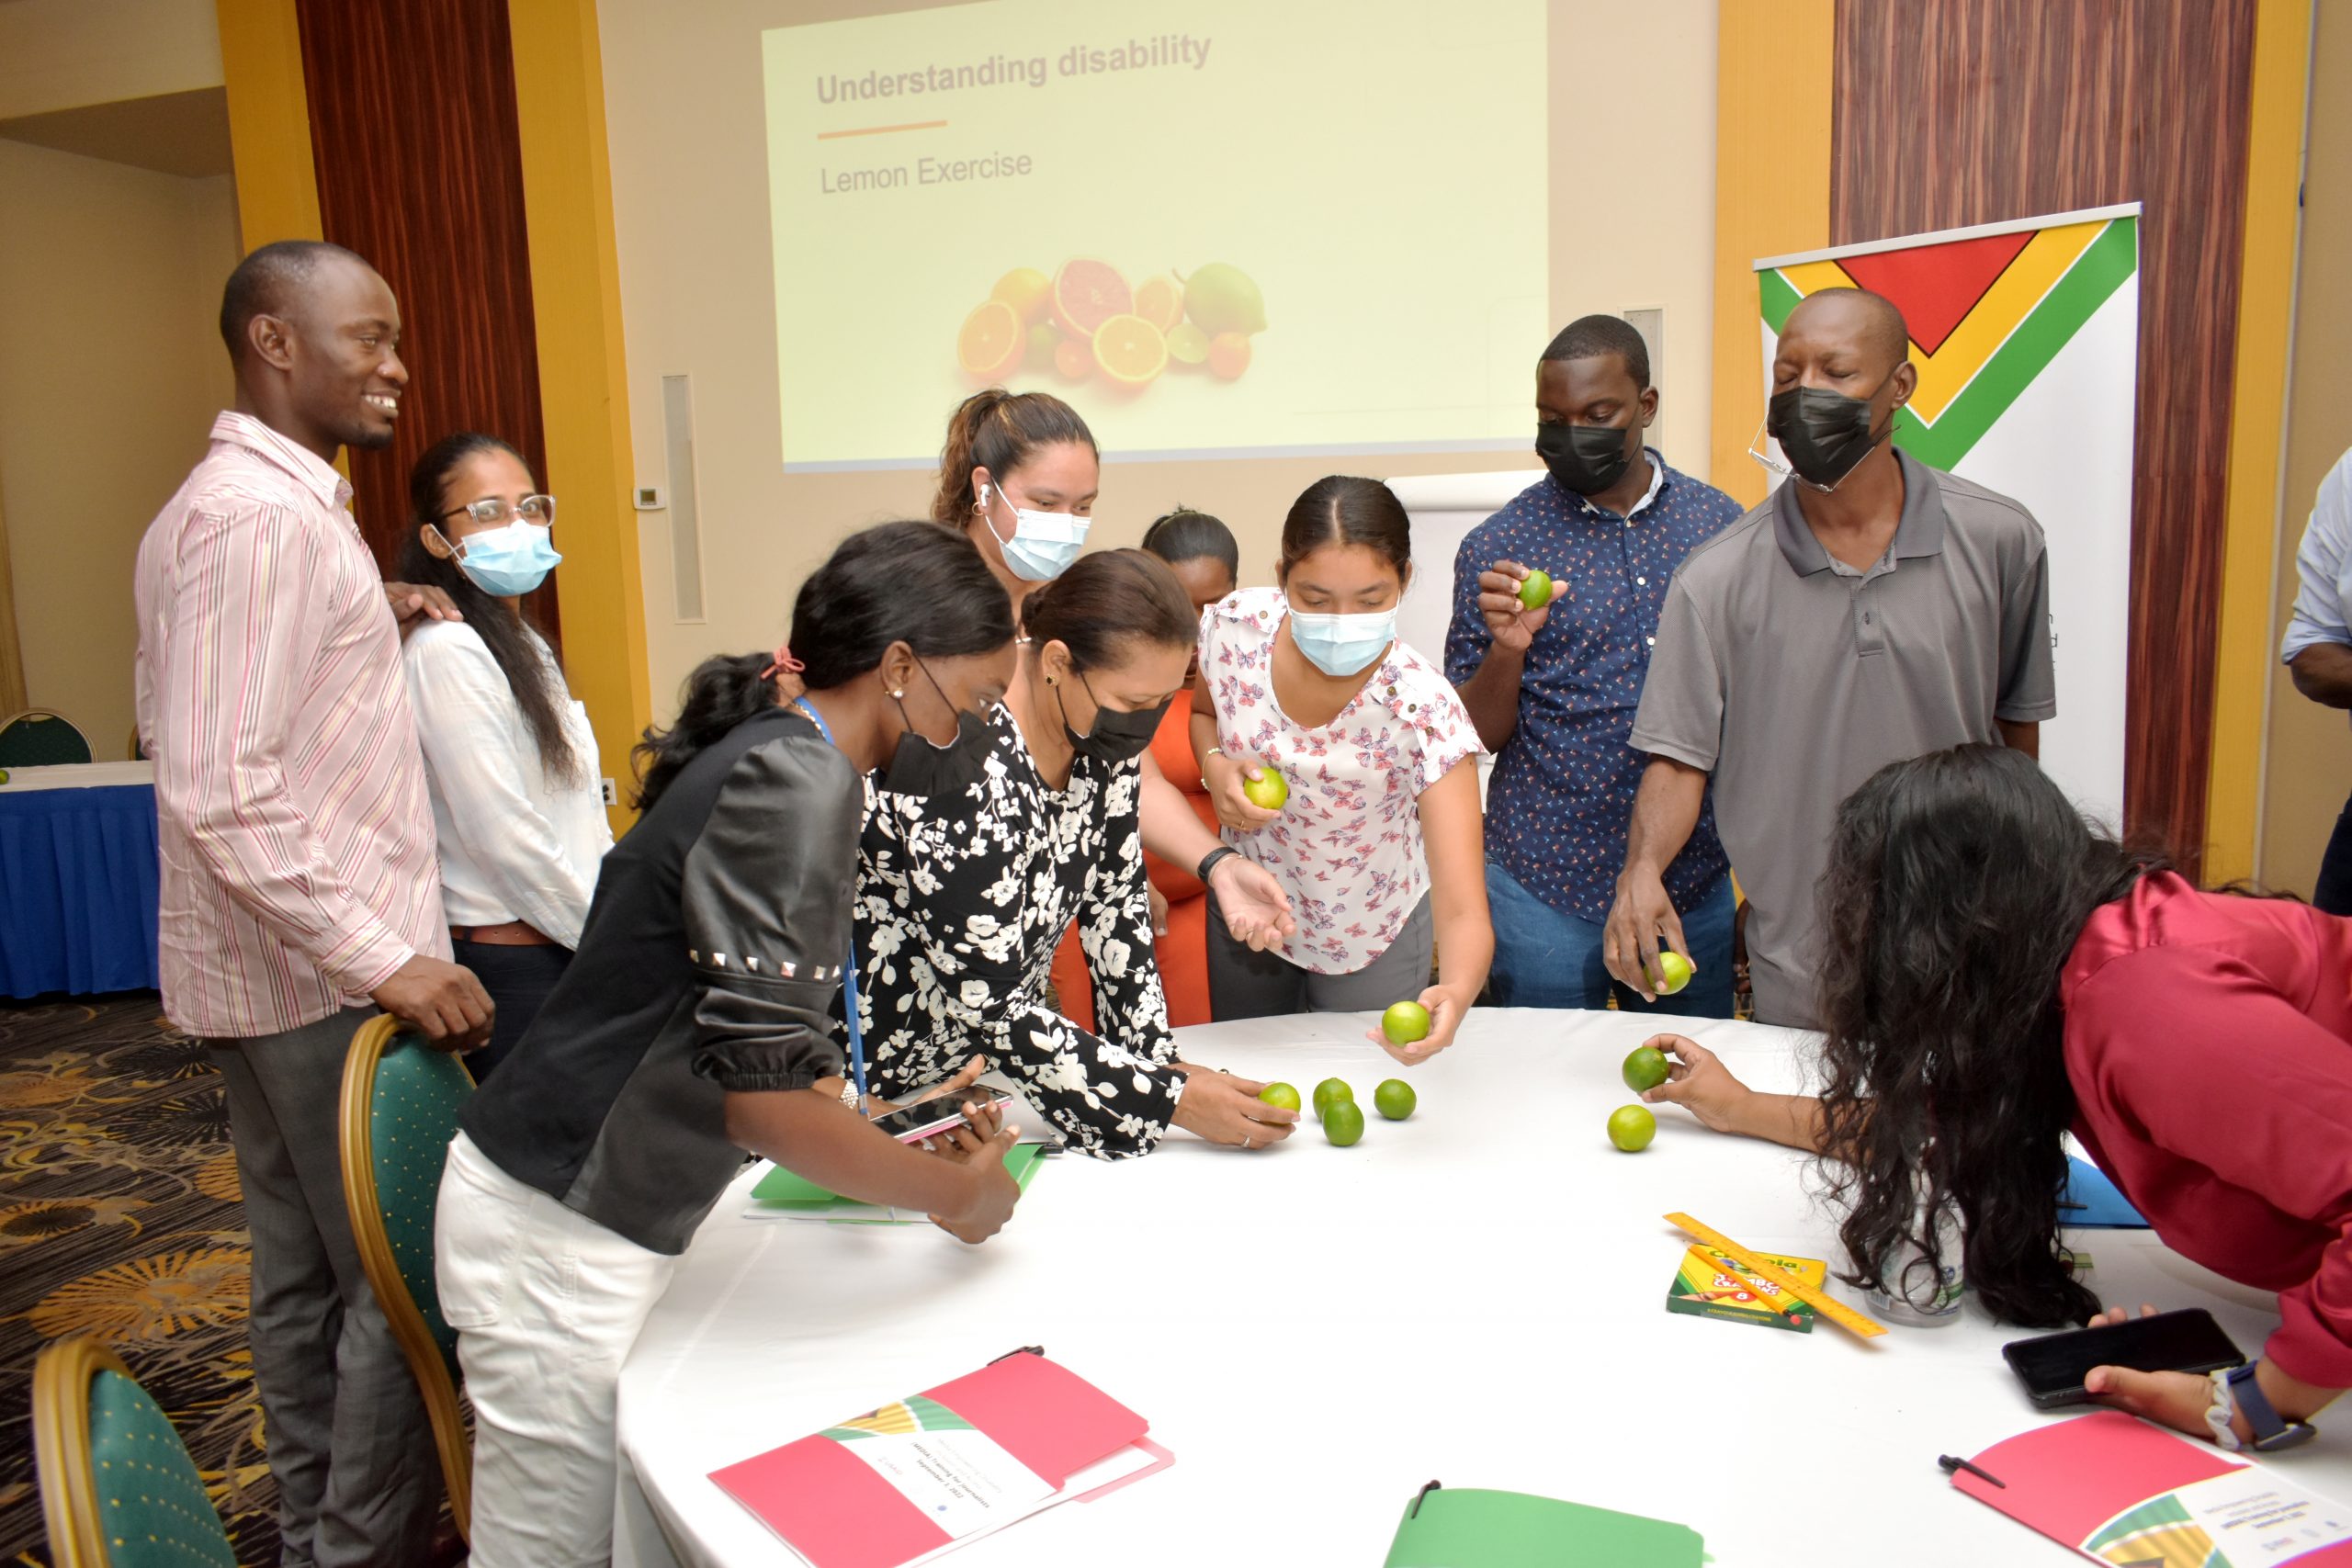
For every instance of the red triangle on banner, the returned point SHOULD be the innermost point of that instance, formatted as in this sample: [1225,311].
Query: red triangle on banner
[1935,286]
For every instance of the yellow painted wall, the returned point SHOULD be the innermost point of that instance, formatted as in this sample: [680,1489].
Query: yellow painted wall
[576,299]
[64,54]
[1632,114]
[1774,83]
[110,372]
[2308,752]
[269,121]
[2266,301]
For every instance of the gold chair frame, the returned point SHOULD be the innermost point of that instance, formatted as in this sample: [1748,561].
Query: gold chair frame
[69,1485]
[400,1308]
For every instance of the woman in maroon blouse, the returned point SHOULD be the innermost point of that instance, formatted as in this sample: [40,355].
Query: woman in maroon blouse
[1996,974]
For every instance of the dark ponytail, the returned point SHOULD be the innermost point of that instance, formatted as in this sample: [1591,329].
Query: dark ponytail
[906,582]
[1343,511]
[998,430]
[1107,599]
[1186,534]
[538,692]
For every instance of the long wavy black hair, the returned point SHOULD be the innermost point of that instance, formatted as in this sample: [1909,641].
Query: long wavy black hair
[1956,886]
[539,689]
[910,582]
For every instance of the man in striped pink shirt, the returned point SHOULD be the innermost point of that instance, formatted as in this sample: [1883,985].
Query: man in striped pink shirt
[299,884]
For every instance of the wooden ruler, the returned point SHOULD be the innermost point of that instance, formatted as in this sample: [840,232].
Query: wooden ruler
[1821,1301]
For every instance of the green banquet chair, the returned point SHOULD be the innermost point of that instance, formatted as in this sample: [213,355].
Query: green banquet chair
[117,1487]
[40,739]
[401,1101]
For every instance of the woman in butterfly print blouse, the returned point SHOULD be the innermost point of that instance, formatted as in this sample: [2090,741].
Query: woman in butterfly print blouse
[1377,752]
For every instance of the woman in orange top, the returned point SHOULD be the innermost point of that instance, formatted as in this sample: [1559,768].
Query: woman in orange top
[1201,551]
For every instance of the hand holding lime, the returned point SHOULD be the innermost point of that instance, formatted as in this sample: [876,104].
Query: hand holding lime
[1395,1099]
[1343,1122]
[1674,971]
[1646,1068]
[1268,791]
[1405,1022]
[1631,1128]
[1331,1092]
[1535,590]
[1281,1096]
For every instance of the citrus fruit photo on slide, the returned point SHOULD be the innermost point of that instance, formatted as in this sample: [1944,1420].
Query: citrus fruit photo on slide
[1085,323]
[1222,232]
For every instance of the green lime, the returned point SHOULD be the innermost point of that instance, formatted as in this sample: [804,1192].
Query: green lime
[1331,1090]
[1281,1096]
[1395,1099]
[1405,1022]
[1268,791]
[1343,1122]
[1187,345]
[1674,971]
[1221,298]
[1631,1128]
[1535,590]
[1646,1068]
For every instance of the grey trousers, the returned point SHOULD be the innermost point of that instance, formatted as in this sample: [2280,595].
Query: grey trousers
[1243,984]
[349,1445]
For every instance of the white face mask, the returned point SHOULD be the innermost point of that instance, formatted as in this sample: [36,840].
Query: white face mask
[1043,542]
[1343,645]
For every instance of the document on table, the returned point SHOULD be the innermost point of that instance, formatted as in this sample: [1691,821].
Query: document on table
[783,1195]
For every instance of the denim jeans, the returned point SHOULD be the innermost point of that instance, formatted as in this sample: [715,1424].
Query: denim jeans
[1544,958]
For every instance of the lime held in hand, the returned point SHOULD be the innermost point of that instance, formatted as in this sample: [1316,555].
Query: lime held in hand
[1674,971]
[1343,1122]
[1267,792]
[1281,1096]
[1631,1128]
[1331,1092]
[1535,590]
[1405,1022]
[1395,1099]
[1646,1068]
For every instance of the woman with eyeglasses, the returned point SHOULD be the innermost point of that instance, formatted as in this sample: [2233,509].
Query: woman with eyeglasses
[509,757]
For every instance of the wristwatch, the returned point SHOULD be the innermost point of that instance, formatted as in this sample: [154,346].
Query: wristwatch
[2271,1431]
[1208,862]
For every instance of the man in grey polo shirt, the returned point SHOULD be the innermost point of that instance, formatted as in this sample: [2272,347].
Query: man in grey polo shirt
[1871,609]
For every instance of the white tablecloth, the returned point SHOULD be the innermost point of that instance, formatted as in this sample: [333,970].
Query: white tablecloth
[79,775]
[1476,1295]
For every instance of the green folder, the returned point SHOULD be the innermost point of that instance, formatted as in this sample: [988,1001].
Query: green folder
[1469,1528]
[783,1190]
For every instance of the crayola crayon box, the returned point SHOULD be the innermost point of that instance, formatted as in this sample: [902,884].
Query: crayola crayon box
[1706,1285]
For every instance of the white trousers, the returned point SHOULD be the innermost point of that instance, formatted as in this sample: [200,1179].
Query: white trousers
[547,1305]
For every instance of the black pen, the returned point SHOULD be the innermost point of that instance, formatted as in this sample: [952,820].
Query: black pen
[1953,1465]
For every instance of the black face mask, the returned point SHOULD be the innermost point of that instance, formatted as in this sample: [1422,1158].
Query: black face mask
[1824,435]
[1585,458]
[918,767]
[1117,737]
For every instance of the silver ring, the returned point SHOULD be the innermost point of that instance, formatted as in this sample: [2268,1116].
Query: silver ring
[1246,1141]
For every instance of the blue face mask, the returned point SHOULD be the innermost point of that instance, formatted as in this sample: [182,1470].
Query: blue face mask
[1043,542]
[508,562]
[1343,645]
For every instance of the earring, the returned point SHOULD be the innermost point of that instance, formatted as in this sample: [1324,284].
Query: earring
[895,696]
[1053,680]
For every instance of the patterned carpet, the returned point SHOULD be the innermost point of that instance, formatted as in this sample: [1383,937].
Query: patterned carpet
[119,1217]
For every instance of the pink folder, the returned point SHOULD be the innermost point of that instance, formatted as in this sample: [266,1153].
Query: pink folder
[2068,1479]
[837,1513]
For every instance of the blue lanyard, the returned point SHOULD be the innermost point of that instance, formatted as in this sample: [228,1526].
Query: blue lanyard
[849,970]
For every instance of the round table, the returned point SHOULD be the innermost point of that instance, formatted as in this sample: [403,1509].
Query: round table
[1476,1295]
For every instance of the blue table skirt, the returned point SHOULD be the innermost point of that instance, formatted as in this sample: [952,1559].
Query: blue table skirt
[77,890]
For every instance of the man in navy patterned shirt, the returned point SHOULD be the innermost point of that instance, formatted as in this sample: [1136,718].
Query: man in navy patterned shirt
[1552,690]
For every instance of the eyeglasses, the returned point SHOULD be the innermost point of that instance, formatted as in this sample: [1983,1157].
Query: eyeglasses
[493,510]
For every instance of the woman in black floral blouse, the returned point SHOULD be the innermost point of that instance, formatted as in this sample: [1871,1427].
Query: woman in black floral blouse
[965,885]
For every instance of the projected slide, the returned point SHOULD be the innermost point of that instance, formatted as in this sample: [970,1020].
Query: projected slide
[1218,228]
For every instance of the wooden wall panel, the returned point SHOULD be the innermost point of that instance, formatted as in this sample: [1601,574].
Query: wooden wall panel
[1951,112]
[414,132]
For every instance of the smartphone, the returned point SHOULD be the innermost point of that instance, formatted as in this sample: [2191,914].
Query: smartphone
[916,1122]
[2052,1366]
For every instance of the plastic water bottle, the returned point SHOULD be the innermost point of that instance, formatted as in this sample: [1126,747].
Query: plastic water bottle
[1915,1290]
